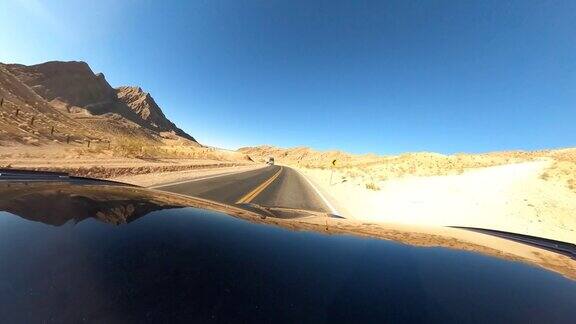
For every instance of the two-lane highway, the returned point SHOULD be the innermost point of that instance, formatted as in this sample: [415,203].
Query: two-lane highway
[277,186]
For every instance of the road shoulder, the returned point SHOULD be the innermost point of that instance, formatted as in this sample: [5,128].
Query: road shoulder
[332,204]
[161,179]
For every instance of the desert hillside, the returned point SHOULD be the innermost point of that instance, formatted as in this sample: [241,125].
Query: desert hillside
[57,102]
[63,116]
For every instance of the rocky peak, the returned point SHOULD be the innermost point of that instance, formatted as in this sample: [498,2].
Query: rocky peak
[145,107]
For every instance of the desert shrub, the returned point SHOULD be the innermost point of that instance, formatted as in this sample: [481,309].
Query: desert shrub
[372,186]
[572,184]
[563,171]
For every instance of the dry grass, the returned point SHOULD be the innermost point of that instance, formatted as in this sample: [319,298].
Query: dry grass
[563,172]
[135,147]
[139,148]
[563,169]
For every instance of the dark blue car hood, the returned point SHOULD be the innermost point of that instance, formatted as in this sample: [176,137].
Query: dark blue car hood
[72,252]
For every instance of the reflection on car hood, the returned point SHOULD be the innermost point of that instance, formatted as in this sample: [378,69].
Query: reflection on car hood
[57,202]
[176,258]
[285,212]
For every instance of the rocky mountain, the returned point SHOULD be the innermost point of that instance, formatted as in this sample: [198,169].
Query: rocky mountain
[71,96]
[73,83]
[146,108]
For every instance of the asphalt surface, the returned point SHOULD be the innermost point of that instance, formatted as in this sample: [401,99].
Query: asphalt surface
[272,186]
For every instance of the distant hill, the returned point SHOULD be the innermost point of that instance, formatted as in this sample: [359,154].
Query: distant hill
[54,101]
[373,167]
[306,156]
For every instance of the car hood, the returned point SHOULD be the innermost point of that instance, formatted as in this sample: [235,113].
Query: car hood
[79,250]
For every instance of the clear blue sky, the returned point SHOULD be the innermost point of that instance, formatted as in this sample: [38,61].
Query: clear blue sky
[360,76]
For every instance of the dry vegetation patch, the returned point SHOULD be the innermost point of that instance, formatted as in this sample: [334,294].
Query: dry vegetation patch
[370,168]
[563,169]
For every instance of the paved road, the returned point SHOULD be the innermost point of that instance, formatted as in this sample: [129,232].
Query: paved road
[277,186]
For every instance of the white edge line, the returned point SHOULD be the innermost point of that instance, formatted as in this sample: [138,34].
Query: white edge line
[326,202]
[198,179]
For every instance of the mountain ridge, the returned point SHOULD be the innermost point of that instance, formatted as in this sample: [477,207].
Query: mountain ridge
[144,105]
[74,90]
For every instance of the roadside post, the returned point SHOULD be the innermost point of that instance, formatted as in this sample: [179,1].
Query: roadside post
[332,170]
[331,175]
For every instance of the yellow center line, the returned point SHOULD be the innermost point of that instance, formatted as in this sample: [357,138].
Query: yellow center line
[252,194]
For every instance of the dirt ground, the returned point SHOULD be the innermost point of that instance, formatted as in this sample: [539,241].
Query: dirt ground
[111,164]
[511,197]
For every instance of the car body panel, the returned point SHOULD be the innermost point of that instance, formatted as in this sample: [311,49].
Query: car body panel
[110,253]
